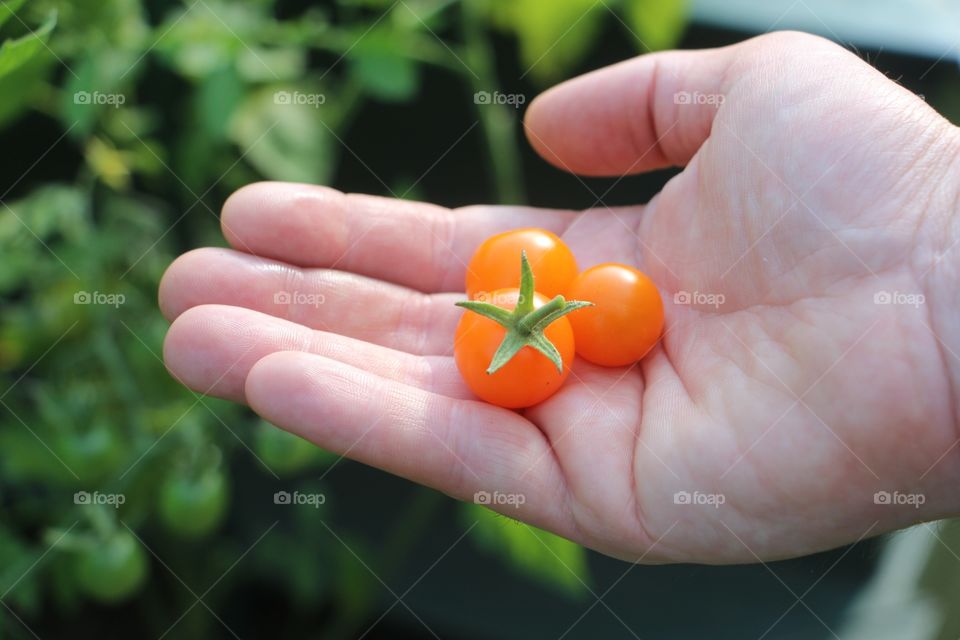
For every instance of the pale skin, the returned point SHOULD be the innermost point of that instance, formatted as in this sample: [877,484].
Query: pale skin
[817,185]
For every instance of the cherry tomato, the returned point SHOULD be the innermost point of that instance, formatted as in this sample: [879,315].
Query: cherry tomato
[113,569]
[527,379]
[494,265]
[285,453]
[193,507]
[94,453]
[627,317]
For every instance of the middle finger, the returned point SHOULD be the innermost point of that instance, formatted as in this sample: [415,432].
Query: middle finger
[324,299]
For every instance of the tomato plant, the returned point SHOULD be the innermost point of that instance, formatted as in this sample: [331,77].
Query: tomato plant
[94,453]
[93,215]
[285,453]
[515,351]
[494,265]
[626,318]
[112,569]
[192,507]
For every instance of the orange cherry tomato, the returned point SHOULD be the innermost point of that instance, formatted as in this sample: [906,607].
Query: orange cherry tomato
[494,265]
[529,377]
[627,317]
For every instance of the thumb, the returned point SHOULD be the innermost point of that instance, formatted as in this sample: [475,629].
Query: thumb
[646,113]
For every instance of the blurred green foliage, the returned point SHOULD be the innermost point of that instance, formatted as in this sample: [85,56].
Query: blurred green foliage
[162,108]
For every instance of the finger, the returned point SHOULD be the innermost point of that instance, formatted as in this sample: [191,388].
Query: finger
[457,446]
[211,349]
[330,300]
[646,113]
[413,244]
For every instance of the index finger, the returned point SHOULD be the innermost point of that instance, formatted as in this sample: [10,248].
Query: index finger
[415,244]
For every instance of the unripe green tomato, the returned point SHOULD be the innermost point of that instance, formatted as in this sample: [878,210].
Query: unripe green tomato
[114,569]
[283,452]
[94,454]
[193,507]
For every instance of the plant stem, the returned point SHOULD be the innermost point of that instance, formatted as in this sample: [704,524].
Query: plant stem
[404,534]
[407,529]
[497,120]
[104,345]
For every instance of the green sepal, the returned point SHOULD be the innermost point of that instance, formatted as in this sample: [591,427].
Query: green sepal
[512,343]
[568,307]
[527,292]
[544,346]
[497,314]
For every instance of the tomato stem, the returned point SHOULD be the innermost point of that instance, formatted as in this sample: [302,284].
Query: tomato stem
[525,324]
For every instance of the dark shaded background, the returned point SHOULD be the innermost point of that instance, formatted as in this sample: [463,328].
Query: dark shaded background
[471,593]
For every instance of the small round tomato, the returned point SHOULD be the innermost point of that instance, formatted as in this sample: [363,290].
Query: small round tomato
[93,453]
[627,317]
[193,507]
[114,569]
[494,265]
[529,377]
[284,453]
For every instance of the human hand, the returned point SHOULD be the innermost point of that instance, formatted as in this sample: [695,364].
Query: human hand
[784,391]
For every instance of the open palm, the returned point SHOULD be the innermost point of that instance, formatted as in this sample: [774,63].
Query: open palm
[798,375]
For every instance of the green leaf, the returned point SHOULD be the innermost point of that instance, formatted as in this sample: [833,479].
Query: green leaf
[17,52]
[657,24]
[216,99]
[23,84]
[379,63]
[207,36]
[387,77]
[259,64]
[550,559]
[282,135]
[94,88]
[52,208]
[553,35]
[17,581]
[24,64]
[8,9]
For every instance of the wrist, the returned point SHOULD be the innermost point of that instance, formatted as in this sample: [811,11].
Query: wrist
[938,269]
